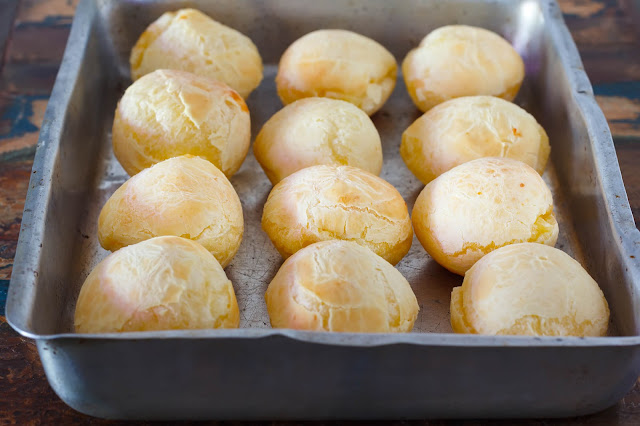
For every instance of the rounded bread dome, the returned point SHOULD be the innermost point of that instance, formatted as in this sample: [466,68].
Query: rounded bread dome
[164,283]
[337,64]
[169,113]
[340,286]
[472,127]
[184,196]
[189,40]
[460,60]
[314,131]
[480,206]
[529,289]
[322,203]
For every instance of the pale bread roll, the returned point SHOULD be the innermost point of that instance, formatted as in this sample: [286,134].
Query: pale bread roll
[165,283]
[529,289]
[316,131]
[322,203]
[459,60]
[471,127]
[189,40]
[480,206]
[337,64]
[183,196]
[170,113]
[340,286]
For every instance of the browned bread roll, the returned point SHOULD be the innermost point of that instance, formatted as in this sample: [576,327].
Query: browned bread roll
[471,127]
[337,64]
[480,206]
[170,113]
[340,286]
[183,196]
[189,40]
[315,131]
[322,203]
[459,60]
[529,289]
[165,283]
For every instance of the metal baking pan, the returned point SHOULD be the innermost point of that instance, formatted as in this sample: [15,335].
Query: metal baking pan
[259,373]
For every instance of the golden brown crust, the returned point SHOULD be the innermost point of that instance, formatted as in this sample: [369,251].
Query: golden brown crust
[189,40]
[459,60]
[471,127]
[165,283]
[169,113]
[337,64]
[316,131]
[480,206]
[340,286]
[322,203]
[183,196]
[529,289]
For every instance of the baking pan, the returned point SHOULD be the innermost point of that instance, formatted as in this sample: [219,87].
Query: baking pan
[259,373]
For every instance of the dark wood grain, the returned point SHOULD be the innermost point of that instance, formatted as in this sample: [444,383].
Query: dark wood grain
[7,14]
[606,32]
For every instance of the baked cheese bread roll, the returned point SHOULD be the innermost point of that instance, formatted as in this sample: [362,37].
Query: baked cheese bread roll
[480,206]
[189,40]
[340,286]
[337,64]
[459,60]
[165,283]
[170,113]
[315,131]
[467,128]
[322,203]
[183,196]
[529,289]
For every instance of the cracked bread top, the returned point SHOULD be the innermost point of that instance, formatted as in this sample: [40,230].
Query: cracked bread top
[342,286]
[480,206]
[189,40]
[164,283]
[471,127]
[529,289]
[337,202]
[184,196]
[168,113]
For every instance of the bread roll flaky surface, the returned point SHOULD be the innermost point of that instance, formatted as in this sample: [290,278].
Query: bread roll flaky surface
[459,60]
[340,286]
[314,131]
[169,113]
[471,127]
[337,202]
[183,196]
[165,283]
[337,64]
[480,206]
[189,40]
[529,289]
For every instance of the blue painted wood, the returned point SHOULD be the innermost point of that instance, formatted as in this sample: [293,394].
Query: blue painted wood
[623,89]
[49,21]
[4,288]
[17,114]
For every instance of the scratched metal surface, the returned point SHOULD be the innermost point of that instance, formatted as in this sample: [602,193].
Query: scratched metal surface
[257,261]
[89,173]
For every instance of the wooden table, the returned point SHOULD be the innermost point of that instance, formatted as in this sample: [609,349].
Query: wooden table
[33,34]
